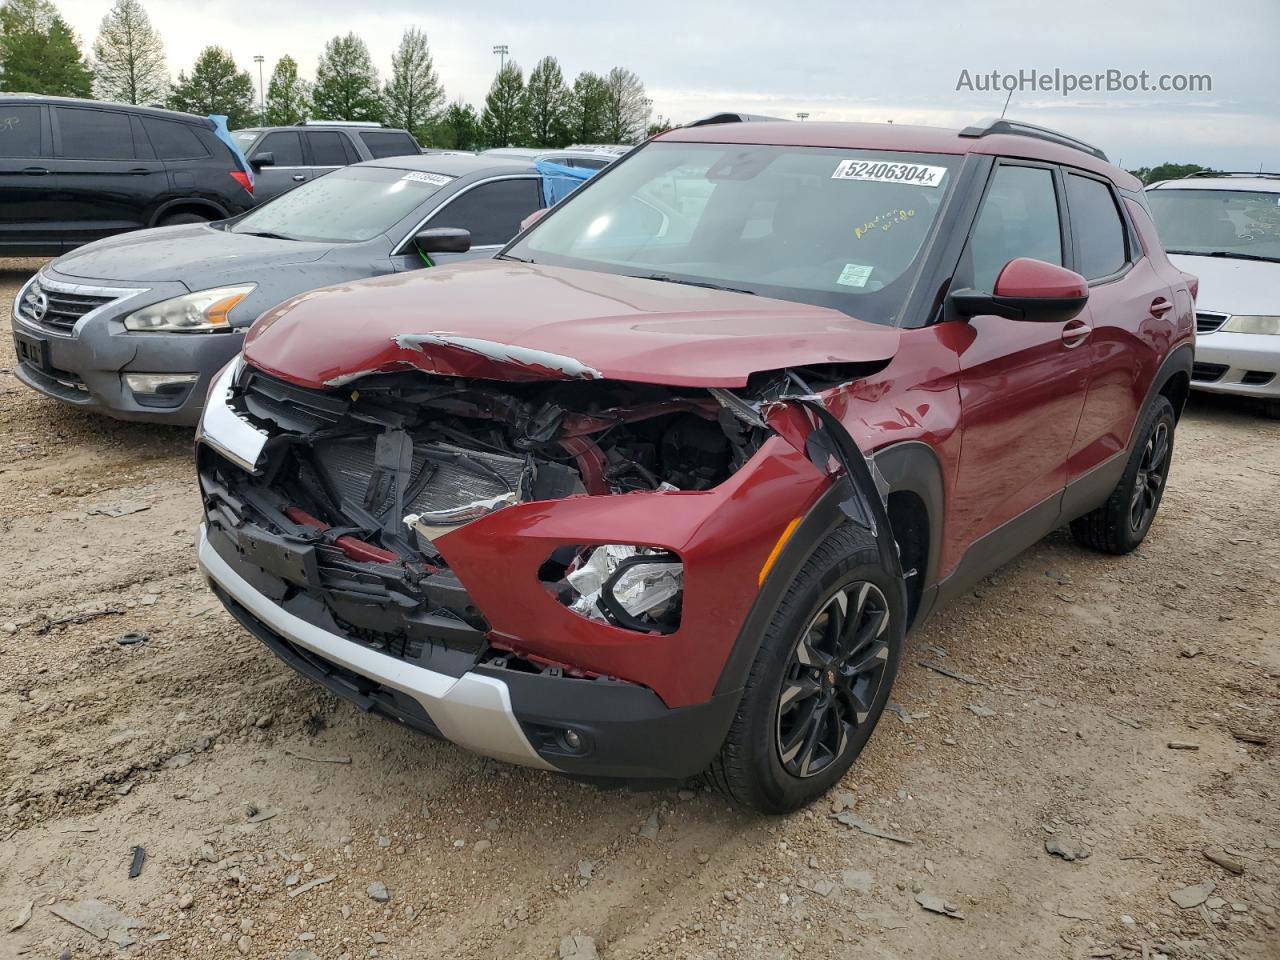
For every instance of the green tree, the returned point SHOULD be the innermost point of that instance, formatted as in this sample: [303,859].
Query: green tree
[586,109]
[39,53]
[1167,171]
[288,95]
[216,85]
[413,95]
[502,122]
[661,125]
[457,128]
[129,65]
[545,105]
[626,112]
[346,85]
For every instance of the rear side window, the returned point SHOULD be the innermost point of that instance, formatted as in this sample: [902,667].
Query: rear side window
[384,144]
[173,140]
[1097,232]
[491,211]
[1019,218]
[284,146]
[94,134]
[20,132]
[328,149]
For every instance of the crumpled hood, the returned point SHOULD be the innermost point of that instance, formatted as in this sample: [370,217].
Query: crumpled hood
[503,320]
[1246,287]
[195,254]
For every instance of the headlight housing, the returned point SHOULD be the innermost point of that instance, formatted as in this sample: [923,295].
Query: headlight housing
[640,588]
[1251,324]
[204,311]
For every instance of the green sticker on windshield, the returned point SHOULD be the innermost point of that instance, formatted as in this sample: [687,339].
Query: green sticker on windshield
[854,275]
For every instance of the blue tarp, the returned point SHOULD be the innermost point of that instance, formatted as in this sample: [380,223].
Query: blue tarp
[559,181]
[224,134]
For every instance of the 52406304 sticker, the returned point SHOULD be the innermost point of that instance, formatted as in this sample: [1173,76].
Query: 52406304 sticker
[886,171]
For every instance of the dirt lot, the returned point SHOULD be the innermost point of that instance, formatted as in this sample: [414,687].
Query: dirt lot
[245,784]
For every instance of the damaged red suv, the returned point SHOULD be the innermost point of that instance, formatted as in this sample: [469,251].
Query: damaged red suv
[661,489]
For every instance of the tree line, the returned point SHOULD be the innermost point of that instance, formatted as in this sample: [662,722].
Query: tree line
[39,53]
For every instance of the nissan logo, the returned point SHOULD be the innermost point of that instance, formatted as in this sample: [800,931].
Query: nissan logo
[39,305]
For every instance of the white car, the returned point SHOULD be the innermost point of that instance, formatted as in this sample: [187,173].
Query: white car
[1225,229]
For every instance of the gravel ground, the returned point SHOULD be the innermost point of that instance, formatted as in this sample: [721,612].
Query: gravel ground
[279,822]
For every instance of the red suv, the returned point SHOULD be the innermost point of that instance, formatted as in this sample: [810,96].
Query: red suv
[661,489]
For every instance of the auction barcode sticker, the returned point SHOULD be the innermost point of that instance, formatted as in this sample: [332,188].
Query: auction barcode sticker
[438,179]
[885,171]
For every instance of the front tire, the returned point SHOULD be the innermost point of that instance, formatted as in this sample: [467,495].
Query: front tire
[1120,524]
[820,680]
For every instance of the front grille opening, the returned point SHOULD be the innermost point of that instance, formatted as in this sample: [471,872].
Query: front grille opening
[62,310]
[1207,372]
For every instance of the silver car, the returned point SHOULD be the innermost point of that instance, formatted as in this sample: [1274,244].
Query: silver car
[135,326]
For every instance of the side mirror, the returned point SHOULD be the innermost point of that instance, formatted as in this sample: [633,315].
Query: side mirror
[443,240]
[532,218]
[264,159]
[1029,290]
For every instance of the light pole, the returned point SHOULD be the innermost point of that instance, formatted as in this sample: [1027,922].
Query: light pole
[802,117]
[648,109]
[501,50]
[262,94]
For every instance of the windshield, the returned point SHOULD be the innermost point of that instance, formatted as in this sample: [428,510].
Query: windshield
[244,138]
[346,206]
[832,227]
[1232,223]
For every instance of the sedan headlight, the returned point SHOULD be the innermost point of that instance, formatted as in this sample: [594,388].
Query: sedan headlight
[1247,324]
[204,311]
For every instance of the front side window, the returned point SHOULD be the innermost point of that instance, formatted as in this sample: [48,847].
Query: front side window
[492,211]
[1225,223]
[20,132]
[284,146]
[94,134]
[389,144]
[1097,232]
[832,227]
[347,206]
[1019,218]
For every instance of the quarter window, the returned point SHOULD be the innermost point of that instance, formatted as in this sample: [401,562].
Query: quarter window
[1019,219]
[95,134]
[173,140]
[284,146]
[20,132]
[1097,232]
[491,211]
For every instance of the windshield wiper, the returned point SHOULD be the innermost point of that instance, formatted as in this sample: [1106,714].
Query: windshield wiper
[266,233]
[663,278]
[1225,254]
[511,256]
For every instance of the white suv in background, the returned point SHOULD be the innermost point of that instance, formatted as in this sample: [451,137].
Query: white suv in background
[1225,229]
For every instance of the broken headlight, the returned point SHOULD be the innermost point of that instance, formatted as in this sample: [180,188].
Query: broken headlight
[639,588]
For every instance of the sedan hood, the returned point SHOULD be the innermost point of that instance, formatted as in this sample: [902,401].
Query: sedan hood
[510,321]
[1234,286]
[195,254]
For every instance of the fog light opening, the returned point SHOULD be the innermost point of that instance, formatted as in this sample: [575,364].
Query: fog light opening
[160,389]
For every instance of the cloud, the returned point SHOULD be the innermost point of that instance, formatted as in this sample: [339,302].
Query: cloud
[834,60]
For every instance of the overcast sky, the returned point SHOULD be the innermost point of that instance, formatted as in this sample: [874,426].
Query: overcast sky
[835,60]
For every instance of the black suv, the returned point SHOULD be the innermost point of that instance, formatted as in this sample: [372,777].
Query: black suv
[72,171]
[287,157]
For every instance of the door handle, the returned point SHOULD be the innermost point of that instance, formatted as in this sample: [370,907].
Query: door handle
[139,171]
[36,171]
[1075,333]
[1160,306]
[299,177]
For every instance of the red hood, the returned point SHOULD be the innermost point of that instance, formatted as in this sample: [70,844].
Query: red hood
[502,320]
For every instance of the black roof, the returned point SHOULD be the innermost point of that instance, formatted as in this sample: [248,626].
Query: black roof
[131,107]
[452,166]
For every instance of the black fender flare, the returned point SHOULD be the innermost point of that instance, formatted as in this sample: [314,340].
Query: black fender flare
[1179,360]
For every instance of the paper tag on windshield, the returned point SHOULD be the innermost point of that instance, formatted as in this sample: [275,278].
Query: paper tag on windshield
[435,179]
[854,275]
[884,171]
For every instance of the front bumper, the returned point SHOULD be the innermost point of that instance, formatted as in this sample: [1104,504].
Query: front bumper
[1247,364]
[85,366]
[625,731]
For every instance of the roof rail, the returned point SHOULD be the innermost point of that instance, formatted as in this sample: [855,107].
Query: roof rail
[1020,129]
[341,123]
[730,118]
[1231,173]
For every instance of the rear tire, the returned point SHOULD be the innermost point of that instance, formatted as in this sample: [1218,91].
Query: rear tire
[820,680]
[173,219]
[1120,524]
